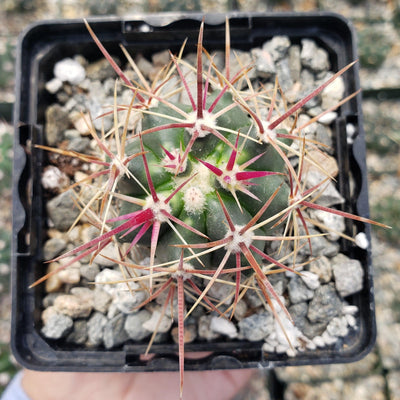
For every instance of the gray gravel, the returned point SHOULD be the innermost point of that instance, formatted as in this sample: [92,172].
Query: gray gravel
[57,326]
[257,326]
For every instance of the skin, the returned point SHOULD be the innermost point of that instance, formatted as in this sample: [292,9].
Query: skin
[210,385]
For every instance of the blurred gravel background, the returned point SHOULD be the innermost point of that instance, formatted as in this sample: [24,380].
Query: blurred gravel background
[378,25]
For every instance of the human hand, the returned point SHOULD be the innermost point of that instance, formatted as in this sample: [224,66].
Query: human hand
[210,385]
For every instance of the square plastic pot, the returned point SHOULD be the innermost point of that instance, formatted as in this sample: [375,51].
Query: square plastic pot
[40,47]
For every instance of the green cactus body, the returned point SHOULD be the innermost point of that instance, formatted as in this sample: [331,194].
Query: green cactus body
[197,204]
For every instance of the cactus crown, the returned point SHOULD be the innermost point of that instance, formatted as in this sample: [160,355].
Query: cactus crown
[205,184]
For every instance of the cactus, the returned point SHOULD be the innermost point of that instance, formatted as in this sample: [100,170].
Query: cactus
[205,184]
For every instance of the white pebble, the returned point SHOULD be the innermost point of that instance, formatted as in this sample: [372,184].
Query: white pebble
[310,279]
[328,339]
[350,132]
[318,341]
[290,274]
[108,279]
[110,253]
[361,240]
[158,322]
[272,338]
[54,85]
[338,327]
[268,348]
[112,311]
[311,345]
[54,179]
[291,352]
[327,118]
[70,275]
[350,310]
[223,327]
[351,320]
[69,70]
[281,348]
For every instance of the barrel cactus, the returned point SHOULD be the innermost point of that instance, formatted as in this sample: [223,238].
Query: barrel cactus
[205,184]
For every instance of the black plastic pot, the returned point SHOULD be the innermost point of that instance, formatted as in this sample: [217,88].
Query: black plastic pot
[40,47]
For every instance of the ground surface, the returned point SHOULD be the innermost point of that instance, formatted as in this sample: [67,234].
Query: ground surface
[378,25]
